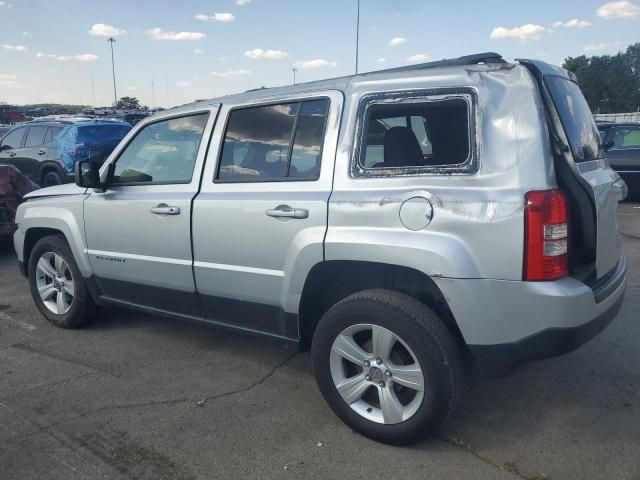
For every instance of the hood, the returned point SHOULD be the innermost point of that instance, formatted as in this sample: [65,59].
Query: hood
[64,189]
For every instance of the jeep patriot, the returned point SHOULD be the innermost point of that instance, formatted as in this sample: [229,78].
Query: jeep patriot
[400,224]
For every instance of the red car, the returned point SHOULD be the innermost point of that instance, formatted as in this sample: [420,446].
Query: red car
[13,186]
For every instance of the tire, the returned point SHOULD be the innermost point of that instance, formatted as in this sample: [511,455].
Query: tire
[51,178]
[415,330]
[74,310]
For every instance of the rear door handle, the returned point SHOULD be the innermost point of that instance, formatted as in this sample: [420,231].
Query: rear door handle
[12,154]
[285,211]
[164,209]
[42,152]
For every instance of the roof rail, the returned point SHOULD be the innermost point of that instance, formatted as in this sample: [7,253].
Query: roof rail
[256,89]
[487,57]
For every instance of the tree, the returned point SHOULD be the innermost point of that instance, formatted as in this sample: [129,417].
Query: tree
[128,103]
[611,84]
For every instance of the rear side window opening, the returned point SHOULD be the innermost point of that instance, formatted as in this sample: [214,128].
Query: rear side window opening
[415,135]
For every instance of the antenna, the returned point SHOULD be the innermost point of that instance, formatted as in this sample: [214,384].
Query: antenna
[357,34]
[167,78]
[93,91]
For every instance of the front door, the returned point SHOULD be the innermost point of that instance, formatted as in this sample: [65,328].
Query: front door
[11,148]
[260,219]
[35,152]
[139,230]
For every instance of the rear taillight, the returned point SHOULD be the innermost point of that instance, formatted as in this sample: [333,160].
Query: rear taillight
[546,235]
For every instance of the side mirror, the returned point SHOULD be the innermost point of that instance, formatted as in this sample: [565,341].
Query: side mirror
[87,174]
[5,147]
[607,145]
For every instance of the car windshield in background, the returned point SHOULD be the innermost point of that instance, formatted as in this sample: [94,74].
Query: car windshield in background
[576,117]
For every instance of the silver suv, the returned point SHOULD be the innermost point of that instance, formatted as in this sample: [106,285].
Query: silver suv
[401,224]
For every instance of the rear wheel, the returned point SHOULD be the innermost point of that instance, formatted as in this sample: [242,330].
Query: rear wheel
[387,366]
[56,285]
[51,178]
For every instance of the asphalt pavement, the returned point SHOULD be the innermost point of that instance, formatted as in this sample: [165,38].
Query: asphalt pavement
[135,396]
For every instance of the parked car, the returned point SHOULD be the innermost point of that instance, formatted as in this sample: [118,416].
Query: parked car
[13,187]
[622,144]
[47,151]
[398,223]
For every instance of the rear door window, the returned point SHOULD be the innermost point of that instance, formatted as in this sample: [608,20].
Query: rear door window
[307,144]
[35,137]
[274,142]
[416,135]
[576,118]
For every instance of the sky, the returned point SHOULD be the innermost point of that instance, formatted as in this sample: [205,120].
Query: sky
[172,52]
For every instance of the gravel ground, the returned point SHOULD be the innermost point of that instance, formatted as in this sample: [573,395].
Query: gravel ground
[137,396]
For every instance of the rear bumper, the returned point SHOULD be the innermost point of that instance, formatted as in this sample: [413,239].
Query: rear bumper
[530,321]
[502,359]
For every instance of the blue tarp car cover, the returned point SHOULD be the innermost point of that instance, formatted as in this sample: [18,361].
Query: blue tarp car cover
[89,141]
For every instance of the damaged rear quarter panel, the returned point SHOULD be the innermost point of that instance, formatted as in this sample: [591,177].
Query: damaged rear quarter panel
[477,230]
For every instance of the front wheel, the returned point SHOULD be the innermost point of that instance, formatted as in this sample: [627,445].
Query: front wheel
[56,285]
[387,366]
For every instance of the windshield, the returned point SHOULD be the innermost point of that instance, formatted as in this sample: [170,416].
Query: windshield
[576,118]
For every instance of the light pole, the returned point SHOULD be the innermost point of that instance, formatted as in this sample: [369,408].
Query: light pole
[294,70]
[111,41]
[93,91]
[357,34]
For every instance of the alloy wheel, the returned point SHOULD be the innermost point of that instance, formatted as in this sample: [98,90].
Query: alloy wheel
[377,374]
[55,283]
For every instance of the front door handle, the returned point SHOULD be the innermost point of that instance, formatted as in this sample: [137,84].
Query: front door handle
[285,211]
[42,152]
[12,154]
[164,209]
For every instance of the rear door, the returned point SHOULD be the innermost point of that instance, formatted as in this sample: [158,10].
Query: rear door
[260,218]
[138,231]
[574,129]
[33,152]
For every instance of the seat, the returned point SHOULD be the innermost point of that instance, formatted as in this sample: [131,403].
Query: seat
[402,149]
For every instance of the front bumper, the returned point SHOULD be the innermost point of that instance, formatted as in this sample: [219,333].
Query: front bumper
[515,323]
[632,179]
[18,245]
